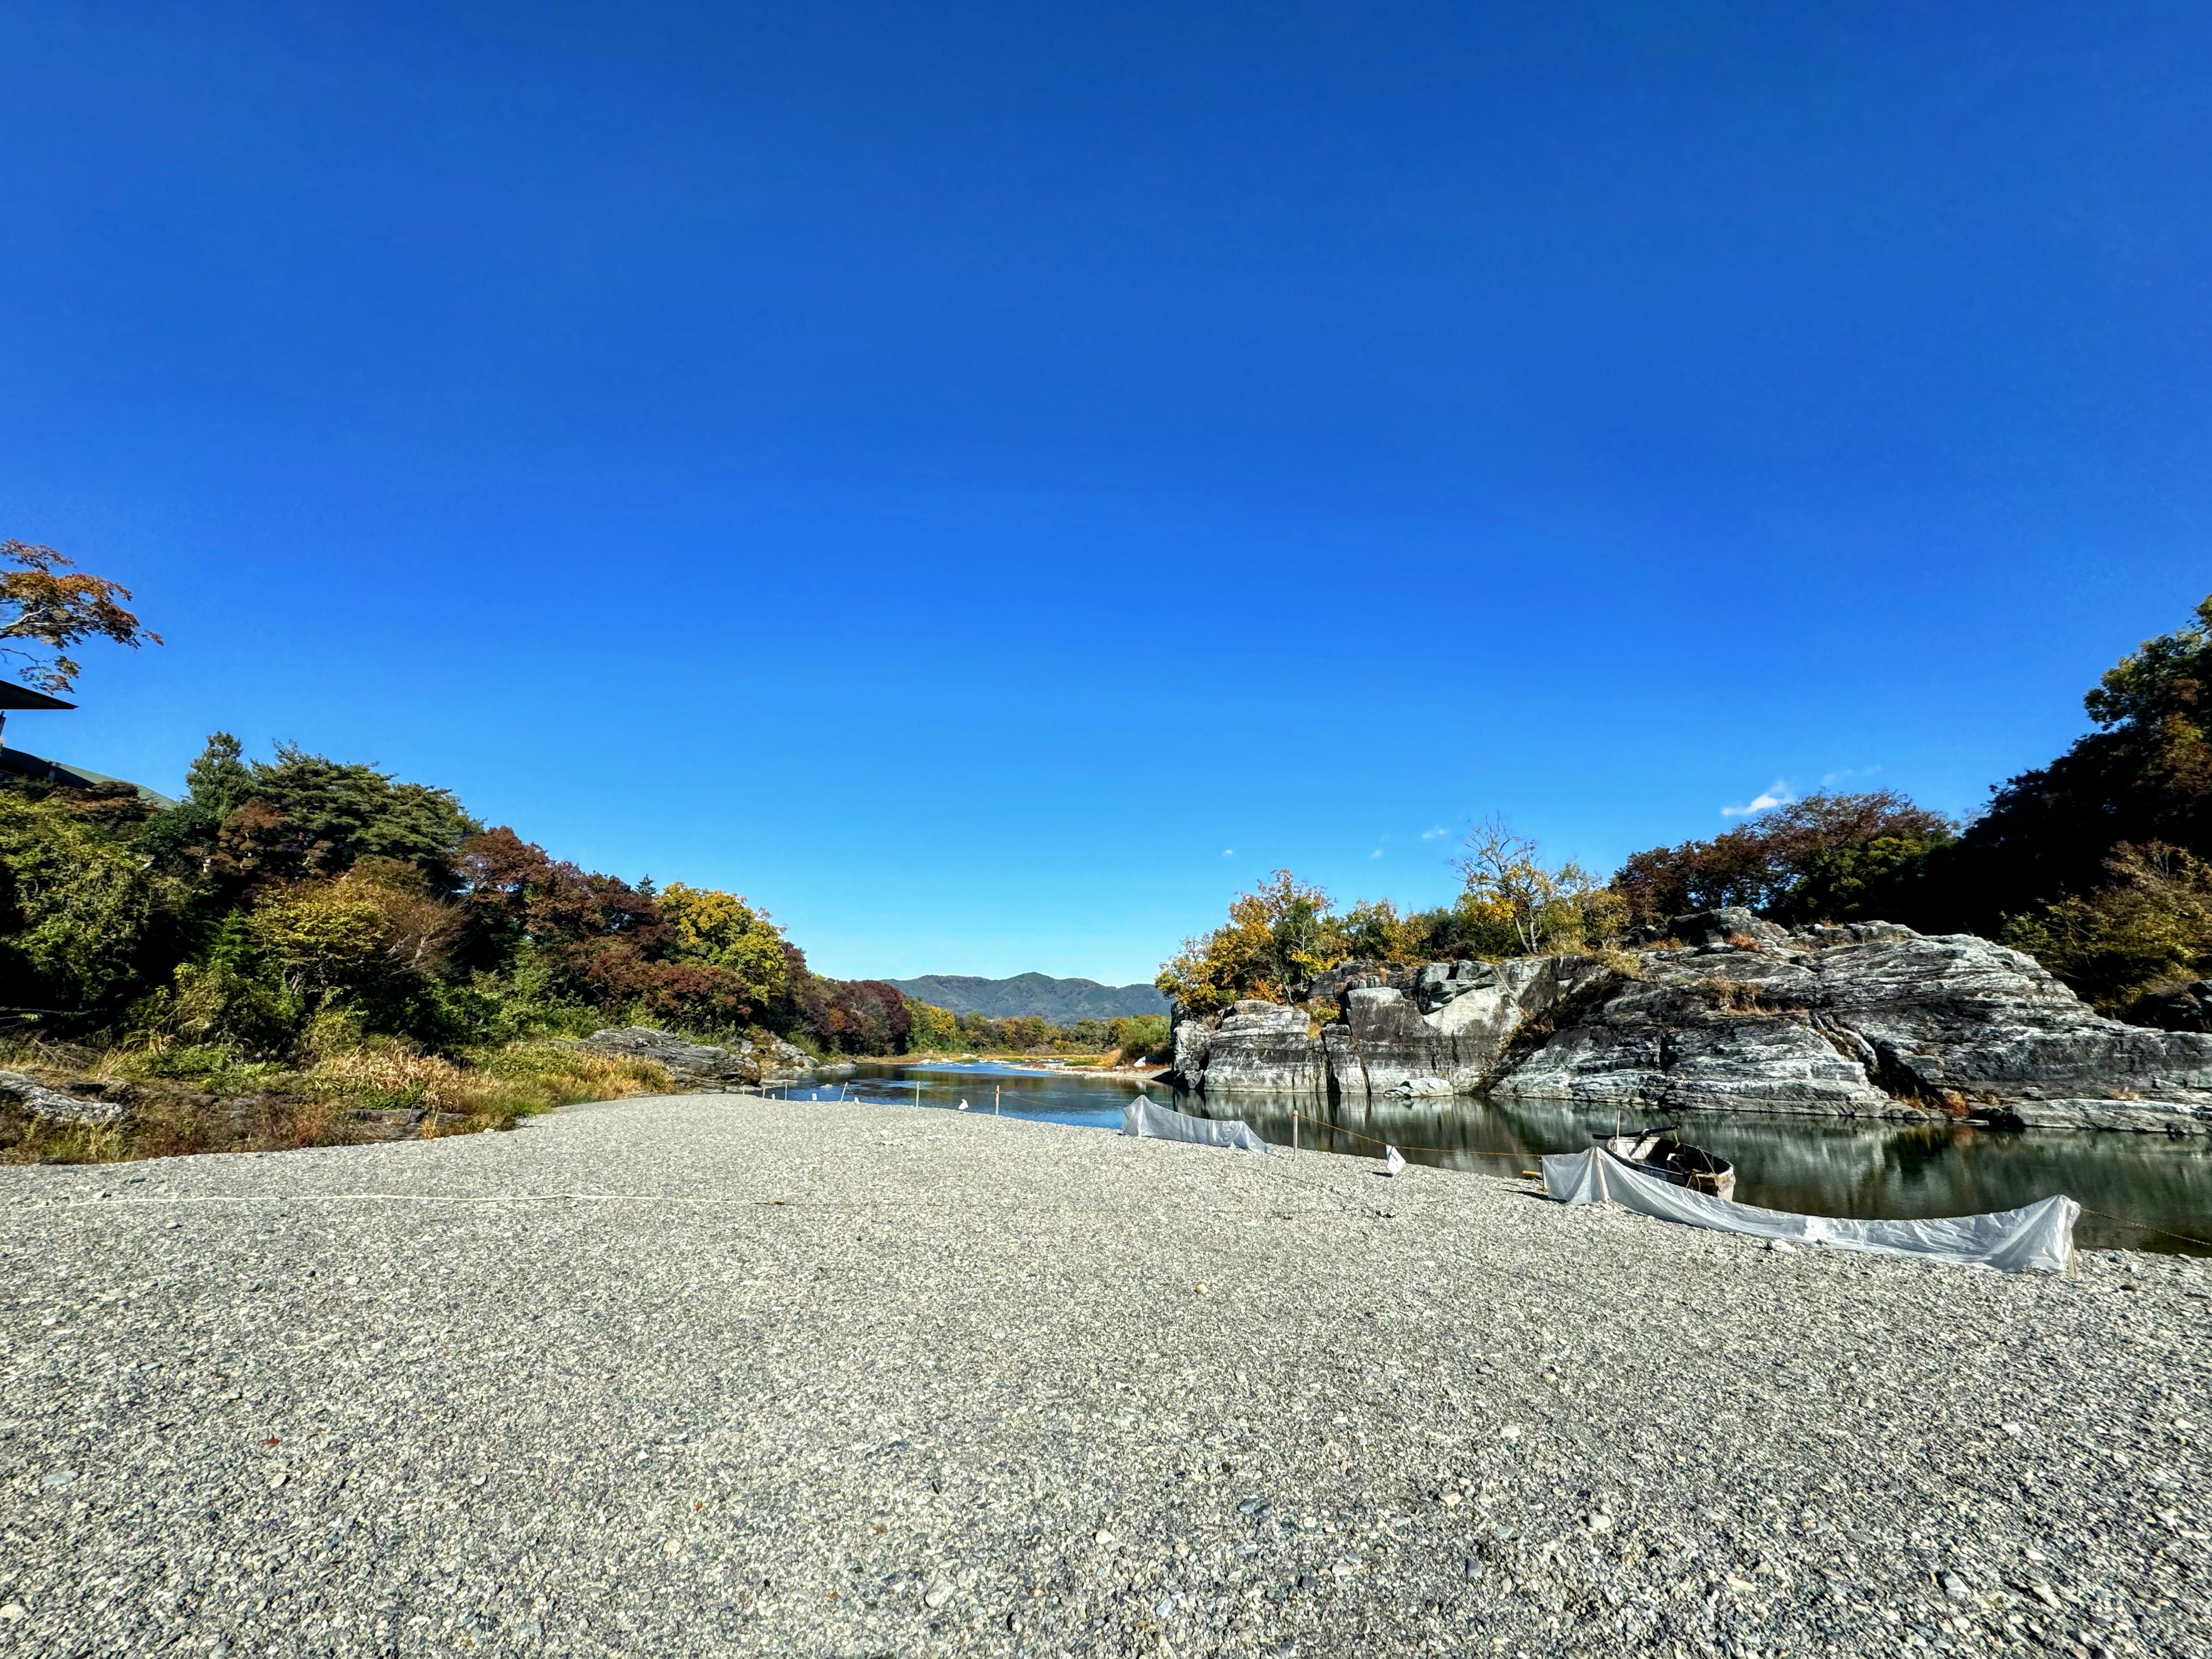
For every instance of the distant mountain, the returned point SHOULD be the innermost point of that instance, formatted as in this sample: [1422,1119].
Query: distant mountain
[1061,1001]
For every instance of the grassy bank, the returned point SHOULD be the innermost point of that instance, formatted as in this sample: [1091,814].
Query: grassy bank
[209,1098]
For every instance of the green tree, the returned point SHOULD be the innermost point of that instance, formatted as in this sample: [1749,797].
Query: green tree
[720,930]
[933,1028]
[2149,926]
[83,921]
[2143,777]
[1373,931]
[1134,1037]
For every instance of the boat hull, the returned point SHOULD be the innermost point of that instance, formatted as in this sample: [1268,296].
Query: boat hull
[1673,1161]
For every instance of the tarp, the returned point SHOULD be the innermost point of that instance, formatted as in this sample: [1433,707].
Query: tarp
[2039,1238]
[1150,1121]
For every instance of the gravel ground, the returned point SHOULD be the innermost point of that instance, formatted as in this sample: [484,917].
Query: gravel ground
[720,1375]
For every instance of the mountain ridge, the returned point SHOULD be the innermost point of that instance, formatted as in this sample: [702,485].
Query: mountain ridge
[1060,1001]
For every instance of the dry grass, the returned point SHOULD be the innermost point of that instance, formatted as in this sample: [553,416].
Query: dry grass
[182,1101]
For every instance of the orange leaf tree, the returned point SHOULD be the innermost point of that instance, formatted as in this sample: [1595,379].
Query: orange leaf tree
[50,605]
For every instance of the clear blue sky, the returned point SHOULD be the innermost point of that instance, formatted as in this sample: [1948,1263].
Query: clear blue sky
[988,481]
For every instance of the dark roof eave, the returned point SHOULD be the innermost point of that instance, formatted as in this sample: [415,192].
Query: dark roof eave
[21,696]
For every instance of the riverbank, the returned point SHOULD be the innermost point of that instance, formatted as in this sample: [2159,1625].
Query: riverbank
[718,1374]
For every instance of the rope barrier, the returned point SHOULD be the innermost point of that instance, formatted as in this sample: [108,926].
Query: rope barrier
[2129,1221]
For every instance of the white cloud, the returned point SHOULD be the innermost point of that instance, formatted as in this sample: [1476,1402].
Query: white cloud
[1776,794]
[1431,835]
[1229,851]
[1830,780]
[1377,854]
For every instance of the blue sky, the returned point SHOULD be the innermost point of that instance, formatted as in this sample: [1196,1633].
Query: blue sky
[990,482]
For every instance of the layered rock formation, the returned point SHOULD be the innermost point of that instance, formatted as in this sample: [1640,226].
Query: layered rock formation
[1868,1019]
[703,1068]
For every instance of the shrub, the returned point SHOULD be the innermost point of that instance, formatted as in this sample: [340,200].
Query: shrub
[2149,926]
[81,919]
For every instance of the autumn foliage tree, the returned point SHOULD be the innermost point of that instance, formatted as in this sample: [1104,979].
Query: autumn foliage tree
[1827,857]
[1278,936]
[281,895]
[47,605]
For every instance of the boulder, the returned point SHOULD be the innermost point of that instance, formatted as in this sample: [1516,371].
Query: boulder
[1733,926]
[704,1068]
[1263,1046]
[1193,1043]
[2179,1008]
[32,1098]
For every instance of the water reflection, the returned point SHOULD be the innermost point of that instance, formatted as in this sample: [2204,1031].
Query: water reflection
[2130,1186]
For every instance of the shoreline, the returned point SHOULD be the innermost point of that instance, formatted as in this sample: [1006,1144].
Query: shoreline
[1027,1066]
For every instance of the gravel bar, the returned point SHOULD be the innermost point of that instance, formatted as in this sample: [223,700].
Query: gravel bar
[713,1375]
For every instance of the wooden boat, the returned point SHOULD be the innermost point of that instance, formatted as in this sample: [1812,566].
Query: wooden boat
[1663,1153]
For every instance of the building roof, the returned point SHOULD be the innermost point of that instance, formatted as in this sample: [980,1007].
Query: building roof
[21,696]
[14,762]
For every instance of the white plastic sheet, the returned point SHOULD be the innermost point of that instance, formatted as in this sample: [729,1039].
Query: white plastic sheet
[1150,1121]
[1394,1161]
[2039,1238]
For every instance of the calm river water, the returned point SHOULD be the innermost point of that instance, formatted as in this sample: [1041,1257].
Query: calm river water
[2137,1191]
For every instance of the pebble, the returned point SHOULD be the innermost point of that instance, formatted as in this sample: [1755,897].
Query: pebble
[810,1379]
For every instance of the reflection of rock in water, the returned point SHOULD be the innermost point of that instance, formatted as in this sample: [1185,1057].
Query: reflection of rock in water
[1861,1168]
[1444,1133]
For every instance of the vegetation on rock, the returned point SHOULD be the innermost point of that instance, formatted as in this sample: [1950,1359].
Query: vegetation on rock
[2100,864]
[1285,932]
[1825,858]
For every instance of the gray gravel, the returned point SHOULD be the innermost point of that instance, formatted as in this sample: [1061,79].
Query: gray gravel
[841,1379]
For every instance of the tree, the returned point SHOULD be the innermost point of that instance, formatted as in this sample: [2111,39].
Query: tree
[720,931]
[83,922]
[859,1016]
[1828,857]
[933,1028]
[602,931]
[306,815]
[2144,776]
[50,604]
[374,939]
[1373,931]
[1546,909]
[218,783]
[1278,936]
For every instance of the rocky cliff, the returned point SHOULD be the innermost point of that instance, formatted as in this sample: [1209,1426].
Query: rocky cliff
[1731,1013]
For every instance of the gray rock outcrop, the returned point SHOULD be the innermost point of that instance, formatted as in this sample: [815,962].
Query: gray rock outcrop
[32,1098]
[1731,1012]
[704,1068]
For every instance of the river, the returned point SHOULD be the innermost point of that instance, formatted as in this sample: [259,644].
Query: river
[2138,1192]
